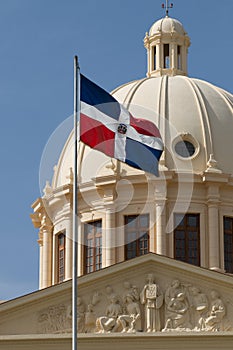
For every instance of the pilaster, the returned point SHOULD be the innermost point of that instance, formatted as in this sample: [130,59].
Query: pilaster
[110,239]
[46,233]
[213,223]
[160,209]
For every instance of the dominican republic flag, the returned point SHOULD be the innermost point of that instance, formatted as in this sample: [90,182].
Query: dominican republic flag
[105,125]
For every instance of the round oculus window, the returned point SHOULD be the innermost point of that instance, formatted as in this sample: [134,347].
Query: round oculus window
[185,149]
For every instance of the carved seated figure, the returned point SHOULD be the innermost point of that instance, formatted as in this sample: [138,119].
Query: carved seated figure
[177,314]
[128,321]
[213,322]
[108,323]
[200,307]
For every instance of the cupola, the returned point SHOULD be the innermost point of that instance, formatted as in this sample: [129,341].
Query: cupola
[167,48]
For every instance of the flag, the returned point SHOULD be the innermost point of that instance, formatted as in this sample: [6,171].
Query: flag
[107,126]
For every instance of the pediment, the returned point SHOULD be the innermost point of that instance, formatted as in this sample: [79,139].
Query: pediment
[151,293]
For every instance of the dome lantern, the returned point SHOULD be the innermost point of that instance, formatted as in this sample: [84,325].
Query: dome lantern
[167,48]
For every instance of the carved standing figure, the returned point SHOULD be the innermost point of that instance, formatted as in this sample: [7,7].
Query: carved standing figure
[90,319]
[80,315]
[152,298]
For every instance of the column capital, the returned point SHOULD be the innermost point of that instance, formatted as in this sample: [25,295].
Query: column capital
[46,223]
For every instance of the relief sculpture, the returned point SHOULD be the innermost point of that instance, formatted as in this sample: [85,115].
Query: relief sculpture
[152,298]
[53,320]
[217,313]
[108,323]
[176,307]
[128,321]
[80,315]
[177,314]
[199,306]
[90,319]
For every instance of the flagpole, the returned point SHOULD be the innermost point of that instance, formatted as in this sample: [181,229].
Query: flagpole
[75,203]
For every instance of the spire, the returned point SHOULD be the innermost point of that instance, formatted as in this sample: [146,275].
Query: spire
[167,6]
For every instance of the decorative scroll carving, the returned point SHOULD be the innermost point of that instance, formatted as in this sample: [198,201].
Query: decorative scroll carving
[152,298]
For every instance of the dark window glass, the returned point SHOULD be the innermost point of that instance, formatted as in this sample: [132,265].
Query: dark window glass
[166,53]
[154,58]
[93,246]
[187,238]
[61,257]
[228,244]
[179,63]
[185,149]
[136,235]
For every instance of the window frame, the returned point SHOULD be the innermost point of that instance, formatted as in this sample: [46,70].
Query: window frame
[61,248]
[140,238]
[97,253]
[228,232]
[179,57]
[154,57]
[187,229]
[166,57]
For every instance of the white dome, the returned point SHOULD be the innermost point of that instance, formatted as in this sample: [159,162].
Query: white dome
[192,109]
[167,25]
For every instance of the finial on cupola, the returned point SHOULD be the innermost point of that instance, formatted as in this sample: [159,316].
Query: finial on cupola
[167,6]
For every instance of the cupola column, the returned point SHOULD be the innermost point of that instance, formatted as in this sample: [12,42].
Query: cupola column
[184,54]
[158,56]
[173,57]
[150,59]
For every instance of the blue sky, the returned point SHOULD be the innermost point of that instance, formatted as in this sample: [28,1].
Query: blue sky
[38,41]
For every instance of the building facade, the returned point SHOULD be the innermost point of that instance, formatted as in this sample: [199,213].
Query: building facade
[186,213]
[155,254]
